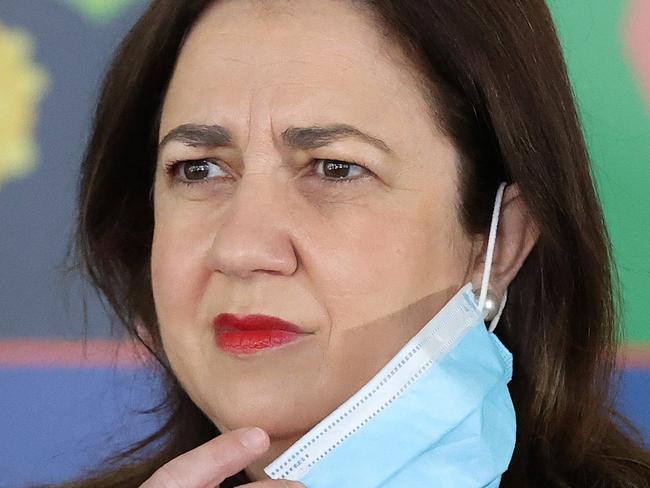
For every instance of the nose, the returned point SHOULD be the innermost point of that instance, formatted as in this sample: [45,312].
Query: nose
[254,233]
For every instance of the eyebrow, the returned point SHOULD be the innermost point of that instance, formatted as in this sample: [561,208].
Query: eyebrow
[312,137]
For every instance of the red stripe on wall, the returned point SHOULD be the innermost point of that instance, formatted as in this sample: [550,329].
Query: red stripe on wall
[635,356]
[95,353]
[100,353]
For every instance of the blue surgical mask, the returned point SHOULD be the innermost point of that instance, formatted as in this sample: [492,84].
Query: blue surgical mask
[438,414]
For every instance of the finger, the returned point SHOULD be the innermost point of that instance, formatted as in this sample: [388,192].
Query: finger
[210,463]
[274,484]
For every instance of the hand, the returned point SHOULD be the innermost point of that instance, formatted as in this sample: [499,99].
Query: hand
[209,464]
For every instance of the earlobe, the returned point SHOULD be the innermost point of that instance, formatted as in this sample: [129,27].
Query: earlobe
[515,239]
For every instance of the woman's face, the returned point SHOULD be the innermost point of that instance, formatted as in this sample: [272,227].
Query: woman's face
[359,264]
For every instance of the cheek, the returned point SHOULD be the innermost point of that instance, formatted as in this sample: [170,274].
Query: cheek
[387,259]
[387,275]
[176,272]
[178,281]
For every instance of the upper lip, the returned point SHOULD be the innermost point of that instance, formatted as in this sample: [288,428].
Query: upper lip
[225,321]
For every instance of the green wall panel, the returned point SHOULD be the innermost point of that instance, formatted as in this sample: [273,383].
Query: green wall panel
[616,117]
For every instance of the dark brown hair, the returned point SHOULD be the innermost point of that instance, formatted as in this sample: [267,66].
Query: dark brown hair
[497,85]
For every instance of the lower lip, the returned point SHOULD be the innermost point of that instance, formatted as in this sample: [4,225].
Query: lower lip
[251,341]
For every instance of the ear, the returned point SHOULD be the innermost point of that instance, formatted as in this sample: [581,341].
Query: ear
[516,236]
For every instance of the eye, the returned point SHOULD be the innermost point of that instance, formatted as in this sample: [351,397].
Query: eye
[336,171]
[193,171]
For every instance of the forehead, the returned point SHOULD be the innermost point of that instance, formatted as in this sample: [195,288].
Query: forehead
[264,33]
[322,60]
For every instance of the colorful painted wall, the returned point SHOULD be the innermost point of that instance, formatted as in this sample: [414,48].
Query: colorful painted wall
[66,402]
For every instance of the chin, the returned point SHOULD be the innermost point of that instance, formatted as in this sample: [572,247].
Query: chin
[279,415]
[277,426]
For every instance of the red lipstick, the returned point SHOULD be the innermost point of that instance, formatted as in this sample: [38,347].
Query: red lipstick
[247,334]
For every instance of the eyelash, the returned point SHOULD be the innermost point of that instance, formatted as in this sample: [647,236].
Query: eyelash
[172,167]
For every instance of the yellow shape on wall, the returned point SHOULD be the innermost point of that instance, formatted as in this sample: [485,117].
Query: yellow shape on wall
[101,11]
[22,85]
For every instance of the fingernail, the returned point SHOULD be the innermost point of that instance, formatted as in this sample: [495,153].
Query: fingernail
[253,438]
[294,484]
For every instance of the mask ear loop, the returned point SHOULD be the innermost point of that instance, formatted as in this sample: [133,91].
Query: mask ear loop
[490,256]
